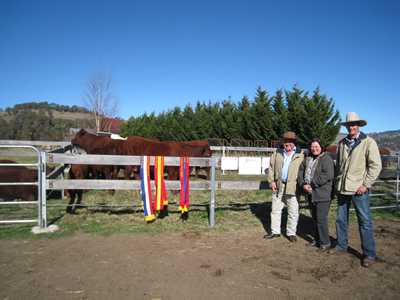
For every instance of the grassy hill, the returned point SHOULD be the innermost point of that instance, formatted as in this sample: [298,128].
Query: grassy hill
[42,121]
[389,139]
[63,115]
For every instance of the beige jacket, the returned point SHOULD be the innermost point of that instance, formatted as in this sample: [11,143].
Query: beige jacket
[360,166]
[275,171]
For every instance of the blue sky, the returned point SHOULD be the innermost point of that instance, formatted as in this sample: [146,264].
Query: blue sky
[163,54]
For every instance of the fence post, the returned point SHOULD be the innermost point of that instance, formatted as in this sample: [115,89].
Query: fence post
[212,198]
[42,191]
[223,155]
[62,191]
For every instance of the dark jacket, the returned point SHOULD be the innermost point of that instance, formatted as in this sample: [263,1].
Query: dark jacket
[322,181]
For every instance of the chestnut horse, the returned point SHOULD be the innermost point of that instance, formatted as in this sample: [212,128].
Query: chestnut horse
[17,174]
[133,145]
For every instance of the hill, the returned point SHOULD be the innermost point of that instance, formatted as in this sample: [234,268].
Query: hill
[389,139]
[42,121]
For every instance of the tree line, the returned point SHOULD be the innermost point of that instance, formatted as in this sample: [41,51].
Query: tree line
[263,118]
[44,105]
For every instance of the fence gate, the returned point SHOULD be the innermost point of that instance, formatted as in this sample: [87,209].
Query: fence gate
[41,220]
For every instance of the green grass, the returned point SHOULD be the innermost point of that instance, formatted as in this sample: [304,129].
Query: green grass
[21,159]
[234,210]
[386,214]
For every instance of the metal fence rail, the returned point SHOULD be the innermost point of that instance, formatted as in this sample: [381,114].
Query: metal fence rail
[212,185]
[87,159]
[41,219]
[34,143]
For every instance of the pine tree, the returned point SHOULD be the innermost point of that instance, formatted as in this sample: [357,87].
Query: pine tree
[229,120]
[262,119]
[5,130]
[280,117]
[244,118]
[321,119]
[296,112]
[261,116]
[187,124]
[204,120]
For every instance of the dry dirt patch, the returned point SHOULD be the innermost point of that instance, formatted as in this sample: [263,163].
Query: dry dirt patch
[194,265]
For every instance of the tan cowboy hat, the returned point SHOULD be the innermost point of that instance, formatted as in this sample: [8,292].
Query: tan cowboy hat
[289,136]
[353,118]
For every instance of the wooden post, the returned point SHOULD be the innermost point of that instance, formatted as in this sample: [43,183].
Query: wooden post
[212,198]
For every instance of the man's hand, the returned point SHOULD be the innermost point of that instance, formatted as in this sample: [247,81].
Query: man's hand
[361,190]
[307,188]
[273,186]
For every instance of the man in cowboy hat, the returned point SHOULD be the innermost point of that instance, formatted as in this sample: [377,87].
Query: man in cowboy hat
[358,165]
[282,177]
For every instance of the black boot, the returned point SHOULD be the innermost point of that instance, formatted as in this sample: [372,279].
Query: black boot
[271,236]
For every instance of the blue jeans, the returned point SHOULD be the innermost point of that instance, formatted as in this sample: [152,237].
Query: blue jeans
[361,204]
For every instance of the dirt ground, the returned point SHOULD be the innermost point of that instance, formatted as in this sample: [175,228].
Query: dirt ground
[191,265]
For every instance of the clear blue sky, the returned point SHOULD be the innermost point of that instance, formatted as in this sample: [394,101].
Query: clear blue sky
[162,54]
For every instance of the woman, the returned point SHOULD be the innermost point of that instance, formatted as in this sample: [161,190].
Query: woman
[316,176]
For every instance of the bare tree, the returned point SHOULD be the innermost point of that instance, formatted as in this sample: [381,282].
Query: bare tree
[99,98]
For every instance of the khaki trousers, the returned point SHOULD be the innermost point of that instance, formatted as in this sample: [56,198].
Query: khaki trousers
[279,200]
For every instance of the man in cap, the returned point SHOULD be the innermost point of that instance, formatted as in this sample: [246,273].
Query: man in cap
[358,165]
[282,177]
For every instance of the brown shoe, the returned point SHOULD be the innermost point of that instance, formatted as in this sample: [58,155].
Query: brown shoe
[292,238]
[368,262]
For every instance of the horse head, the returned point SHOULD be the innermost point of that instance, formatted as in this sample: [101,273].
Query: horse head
[78,136]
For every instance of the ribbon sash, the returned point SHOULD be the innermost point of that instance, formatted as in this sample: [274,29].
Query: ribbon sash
[146,189]
[161,194]
[184,180]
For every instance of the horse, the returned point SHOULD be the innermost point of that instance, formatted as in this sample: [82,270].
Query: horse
[18,174]
[135,145]
[138,146]
[196,148]
[76,172]
[93,144]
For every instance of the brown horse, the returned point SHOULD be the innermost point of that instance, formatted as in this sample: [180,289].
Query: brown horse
[197,148]
[76,172]
[143,146]
[137,146]
[93,144]
[17,174]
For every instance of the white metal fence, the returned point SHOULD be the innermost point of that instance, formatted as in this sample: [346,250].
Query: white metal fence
[211,185]
[39,183]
